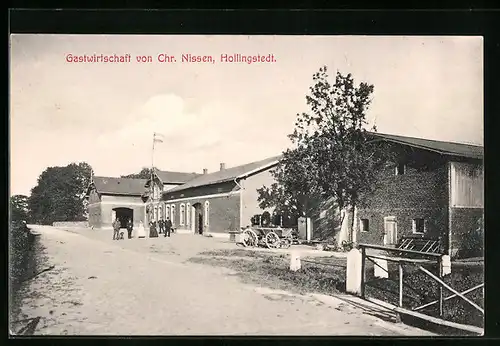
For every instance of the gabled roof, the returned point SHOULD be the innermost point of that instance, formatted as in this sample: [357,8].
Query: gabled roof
[169,177]
[119,186]
[444,148]
[228,174]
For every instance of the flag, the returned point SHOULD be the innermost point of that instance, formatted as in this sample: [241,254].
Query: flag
[158,137]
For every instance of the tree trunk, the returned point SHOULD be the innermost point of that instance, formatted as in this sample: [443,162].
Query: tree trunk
[351,228]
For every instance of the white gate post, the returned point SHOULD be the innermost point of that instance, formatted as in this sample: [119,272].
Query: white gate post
[446,263]
[295,261]
[354,272]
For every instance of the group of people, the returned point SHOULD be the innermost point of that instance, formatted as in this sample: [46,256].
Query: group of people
[116,228]
[155,227]
[159,227]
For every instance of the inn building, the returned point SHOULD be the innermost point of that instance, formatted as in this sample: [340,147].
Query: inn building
[433,190]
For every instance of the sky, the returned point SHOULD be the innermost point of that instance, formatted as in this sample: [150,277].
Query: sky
[106,113]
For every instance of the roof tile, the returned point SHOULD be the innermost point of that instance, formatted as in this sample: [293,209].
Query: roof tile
[121,186]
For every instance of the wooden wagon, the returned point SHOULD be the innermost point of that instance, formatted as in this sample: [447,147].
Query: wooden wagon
[270,237]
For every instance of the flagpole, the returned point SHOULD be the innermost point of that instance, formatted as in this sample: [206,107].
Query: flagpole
[151,179]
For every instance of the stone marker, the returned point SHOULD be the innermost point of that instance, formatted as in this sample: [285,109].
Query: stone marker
[446,261]
[353,275]
[379,272]
[295,261]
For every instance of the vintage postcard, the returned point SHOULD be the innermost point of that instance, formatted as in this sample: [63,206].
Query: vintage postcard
[246,185]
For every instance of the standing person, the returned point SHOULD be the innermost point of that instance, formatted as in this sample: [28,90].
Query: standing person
[161,226]
[152,230]
[130,227]
[168,227]
[141,232]
[116,229]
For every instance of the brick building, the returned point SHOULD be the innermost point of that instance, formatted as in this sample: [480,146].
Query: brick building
[434,190]
[162,181]
[129,198]
[110,198]
[215,203]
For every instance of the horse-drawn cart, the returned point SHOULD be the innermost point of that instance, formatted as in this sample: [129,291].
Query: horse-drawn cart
[270,237]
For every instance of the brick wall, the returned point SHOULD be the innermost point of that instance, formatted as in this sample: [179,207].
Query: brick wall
[94,211]
[106,213]
[419,193]
[100,214]
[223,213]
[462,221]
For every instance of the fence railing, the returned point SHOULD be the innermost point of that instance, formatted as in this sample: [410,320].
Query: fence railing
[356,278]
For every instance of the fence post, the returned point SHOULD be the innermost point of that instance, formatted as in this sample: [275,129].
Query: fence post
[354,276]
[295,261]
[400,265]
[363,265]
[440,271]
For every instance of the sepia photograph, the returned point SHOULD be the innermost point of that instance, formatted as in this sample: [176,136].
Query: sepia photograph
[256,185]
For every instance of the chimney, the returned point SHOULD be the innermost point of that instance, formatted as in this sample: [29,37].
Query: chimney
[222,166]
[205,171]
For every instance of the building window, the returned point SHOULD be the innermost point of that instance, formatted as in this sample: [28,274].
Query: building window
[155,214]
[172,214]
[418,226]
[160,212]
[188,214]
[167,211]
[182,214]
[207,209]
[400,168]
[364,225]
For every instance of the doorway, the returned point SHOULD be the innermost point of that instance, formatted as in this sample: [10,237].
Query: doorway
[123,215]
[390,231]
[197,213]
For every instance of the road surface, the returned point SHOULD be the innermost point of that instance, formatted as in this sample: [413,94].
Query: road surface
[145,287]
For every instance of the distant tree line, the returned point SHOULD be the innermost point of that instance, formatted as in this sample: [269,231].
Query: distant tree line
[145,173]
[58,196]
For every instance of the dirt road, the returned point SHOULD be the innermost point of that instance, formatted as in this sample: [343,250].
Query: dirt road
[145,287]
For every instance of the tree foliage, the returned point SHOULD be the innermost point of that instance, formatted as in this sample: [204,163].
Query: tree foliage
[332,155]
[296,183]
[145,173]
[19,210]
[60,194]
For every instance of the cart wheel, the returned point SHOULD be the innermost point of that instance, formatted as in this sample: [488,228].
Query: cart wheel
[286,243]
[249,238]
[272,240]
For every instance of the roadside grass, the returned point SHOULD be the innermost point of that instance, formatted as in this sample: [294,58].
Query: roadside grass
[23,262]
[272,270]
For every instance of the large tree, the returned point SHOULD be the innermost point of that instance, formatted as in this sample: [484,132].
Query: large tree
[60,194]
[295,187]
[332,142]
[19,210]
